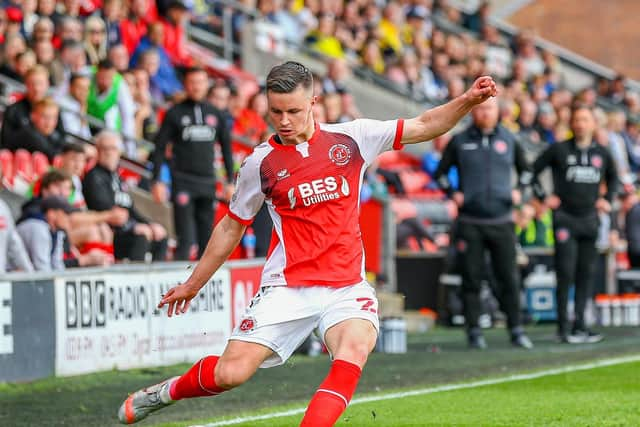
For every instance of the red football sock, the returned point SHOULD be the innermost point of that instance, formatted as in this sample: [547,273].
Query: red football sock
[333,395]
[198,381]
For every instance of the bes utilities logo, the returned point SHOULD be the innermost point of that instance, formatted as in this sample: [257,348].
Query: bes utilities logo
[319,191]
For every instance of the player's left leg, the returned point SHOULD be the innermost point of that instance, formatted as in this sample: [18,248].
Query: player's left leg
[350,343]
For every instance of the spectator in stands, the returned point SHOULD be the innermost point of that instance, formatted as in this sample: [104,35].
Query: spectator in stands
[219,96]
[243,117]
[146,119]
[74,106]
[351,30]
[546,122]
[323,40]
[46,8]
[70,28]
[175,36]
[418,26]
[335,81]
[29,17]
[14,44]
[24,62]
[372,57]
[538,231]
[435,82]
[390,30]
[103,190]
[17,116]
[44,234]
[527,52]
[630,208]
[526,123]
[45,55]
[134,27]
[192,126]
[110,101]
[431,160]
[40,134]
[334,113]
[165,78]
[73,161]
[150,63]
[617,90]
[618,145]
[478,20]
[498,56]
[13,254]
[486,154]
[119,57]
[88,241]
[111,14]
[71,60]
[71,8]
[95,40]
[43,30]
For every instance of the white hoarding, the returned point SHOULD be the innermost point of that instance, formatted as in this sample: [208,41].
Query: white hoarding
[106,321]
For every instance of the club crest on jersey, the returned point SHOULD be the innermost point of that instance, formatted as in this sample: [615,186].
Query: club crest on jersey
[186,120]
[596,161]
[500,146]
[340,154]
[571,159]
[562,235]
[211,120]
[247,324]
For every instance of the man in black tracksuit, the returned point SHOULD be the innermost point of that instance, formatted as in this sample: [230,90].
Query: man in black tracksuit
[579,166]
[103,189]
[485,154]
[192,127]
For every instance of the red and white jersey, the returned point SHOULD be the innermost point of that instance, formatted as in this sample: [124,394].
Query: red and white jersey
[312,191]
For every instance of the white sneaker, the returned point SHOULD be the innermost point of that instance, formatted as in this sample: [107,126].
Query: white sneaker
[143,402]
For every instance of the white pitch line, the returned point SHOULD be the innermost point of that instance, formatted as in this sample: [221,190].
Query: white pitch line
[438,389]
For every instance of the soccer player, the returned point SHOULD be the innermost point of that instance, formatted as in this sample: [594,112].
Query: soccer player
[309,175]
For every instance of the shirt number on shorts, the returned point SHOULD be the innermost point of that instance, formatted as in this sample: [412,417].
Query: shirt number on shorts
[368,304]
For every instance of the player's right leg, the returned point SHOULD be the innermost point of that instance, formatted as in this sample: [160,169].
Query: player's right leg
[209,376]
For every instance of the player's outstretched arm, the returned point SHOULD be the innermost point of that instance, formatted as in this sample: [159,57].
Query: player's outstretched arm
[436,121]
[224,239]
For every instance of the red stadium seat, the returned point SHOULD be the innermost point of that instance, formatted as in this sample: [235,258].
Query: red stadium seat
[40,164]
[23,165]
[6,165]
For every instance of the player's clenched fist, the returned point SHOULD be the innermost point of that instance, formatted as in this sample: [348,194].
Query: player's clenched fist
[482,89]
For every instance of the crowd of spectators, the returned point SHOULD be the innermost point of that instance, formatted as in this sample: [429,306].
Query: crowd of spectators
[120,62]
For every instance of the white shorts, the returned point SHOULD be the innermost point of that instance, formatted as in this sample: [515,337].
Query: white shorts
[282,317]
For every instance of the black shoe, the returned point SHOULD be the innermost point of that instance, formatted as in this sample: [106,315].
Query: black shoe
[584,336]
[562,337]
[477,342]
[522,341]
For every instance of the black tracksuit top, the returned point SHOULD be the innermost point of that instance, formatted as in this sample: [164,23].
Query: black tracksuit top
[577,175]
[193,127]
[485,164]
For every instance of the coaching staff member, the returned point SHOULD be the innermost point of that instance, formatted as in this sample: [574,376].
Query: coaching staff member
[578,166]
[485,154]
[192,126]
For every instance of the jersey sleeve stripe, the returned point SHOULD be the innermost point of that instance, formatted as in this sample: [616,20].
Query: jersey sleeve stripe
[396,141]
[240,220]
